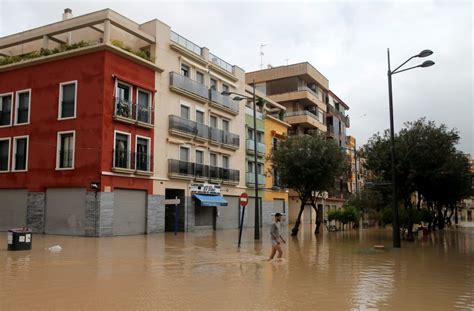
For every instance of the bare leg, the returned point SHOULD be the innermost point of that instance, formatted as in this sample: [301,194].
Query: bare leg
[280,252]
[273,252]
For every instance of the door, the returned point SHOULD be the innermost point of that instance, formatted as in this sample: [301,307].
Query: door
[307,213]
[129,212]
[65,211]
[229,215]
[12,208]
[279,206]
[170,210]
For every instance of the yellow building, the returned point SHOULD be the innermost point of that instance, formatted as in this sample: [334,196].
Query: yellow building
[275,130]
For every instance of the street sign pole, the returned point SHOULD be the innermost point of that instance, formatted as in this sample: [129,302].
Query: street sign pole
[243,201]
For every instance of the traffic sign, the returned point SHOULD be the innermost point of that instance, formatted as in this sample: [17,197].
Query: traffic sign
[172,201]
[244,199]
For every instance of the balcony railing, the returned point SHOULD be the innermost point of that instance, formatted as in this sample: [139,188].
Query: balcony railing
[306,88]
[189,85]
[251,179]
[185,43]
[144,162]
[122,159]
[304,113]
[225,101]
[65,158]
[195,129]
[230,139]
[221,63]
[124,108]
[188,127]
[261,148]
[201,171]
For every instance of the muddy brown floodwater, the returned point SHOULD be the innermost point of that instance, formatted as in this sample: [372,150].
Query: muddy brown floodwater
[204,271]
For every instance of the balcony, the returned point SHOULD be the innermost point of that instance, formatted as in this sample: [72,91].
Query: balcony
[188,87]
[188,128]
[123,110]
[224,102]
[221,63]
[302,95]
[130,162]
[190,46]
[128,112]
[189,170]
[261,148]
[305,118]
[250,178]
[230,140]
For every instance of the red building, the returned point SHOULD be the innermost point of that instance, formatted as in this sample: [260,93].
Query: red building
[76,143]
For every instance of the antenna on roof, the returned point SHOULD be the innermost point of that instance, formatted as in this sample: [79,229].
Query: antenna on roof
[287,59]
[261,55]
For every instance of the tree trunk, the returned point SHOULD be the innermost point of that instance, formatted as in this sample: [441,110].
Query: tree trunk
[296,228]
[408,208]
[318,219]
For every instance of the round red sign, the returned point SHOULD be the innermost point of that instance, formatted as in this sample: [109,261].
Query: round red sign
[244,199]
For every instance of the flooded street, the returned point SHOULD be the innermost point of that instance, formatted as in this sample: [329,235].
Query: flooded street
[204,270]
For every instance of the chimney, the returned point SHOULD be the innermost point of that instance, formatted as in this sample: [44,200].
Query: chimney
[67,13]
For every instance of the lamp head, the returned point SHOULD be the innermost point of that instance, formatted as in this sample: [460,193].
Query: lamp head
[427,63]
[238,98]
[225,93]
[425,53]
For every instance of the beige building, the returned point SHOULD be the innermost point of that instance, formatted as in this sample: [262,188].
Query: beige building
[310,107]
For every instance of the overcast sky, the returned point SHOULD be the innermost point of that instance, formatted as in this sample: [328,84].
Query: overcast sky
[345,40]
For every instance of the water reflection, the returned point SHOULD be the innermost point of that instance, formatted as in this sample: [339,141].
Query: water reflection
[205,270]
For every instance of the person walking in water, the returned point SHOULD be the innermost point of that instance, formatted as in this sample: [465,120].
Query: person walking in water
[276,237]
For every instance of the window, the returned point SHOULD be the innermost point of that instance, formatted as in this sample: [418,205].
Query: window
[143,106]
[65,150]
[20,153]
[123,91]
[275,142]
[225,125]
[225,161]
[4,154]
[185,112]
[250,134]
[225,87]
[250,166]
[199,157]
[200,77]
[259,136]
[214,84]
[213,159]
[184,154]
[23,107]
[143,154]
[213,121]
[67,100]
[260,168]
[122,150]
[276,179]
[185,71]
[200,116]
[6,109]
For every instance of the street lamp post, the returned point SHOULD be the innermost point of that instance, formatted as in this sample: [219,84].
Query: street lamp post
[240,97]
[428,63]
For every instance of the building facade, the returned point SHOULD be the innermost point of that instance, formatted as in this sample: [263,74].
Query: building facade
[77,131]
[310,107]
[136,118]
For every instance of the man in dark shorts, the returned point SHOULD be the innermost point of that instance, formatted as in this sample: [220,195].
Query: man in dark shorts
[276,237]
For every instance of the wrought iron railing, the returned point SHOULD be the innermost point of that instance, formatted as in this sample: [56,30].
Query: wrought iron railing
[202,171]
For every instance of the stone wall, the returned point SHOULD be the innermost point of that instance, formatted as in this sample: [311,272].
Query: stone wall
[35,208]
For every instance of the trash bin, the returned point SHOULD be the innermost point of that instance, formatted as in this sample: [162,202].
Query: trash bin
[19,239]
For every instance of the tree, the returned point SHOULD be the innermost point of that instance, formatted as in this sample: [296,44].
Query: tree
[308,165]
[345,215]
[428,163]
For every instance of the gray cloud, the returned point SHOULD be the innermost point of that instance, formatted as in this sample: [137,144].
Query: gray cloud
[346,41]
